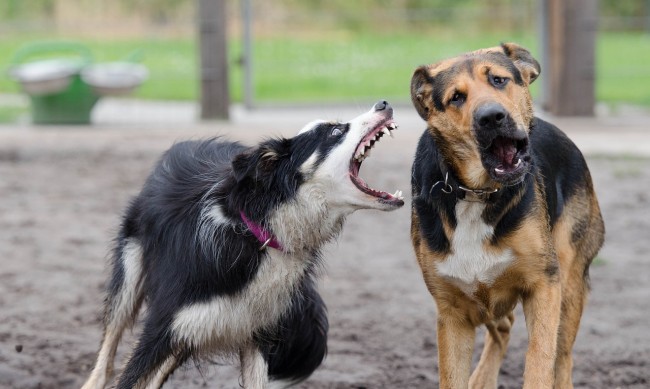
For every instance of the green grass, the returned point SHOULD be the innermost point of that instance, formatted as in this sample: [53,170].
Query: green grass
[359,66]
[353,66]
[623,68]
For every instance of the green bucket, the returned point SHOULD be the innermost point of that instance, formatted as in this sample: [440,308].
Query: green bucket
[54,86]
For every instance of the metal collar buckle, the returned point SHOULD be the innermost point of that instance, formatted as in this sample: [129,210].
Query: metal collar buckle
[482,194]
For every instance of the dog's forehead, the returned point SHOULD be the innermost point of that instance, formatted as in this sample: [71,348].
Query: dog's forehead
[315,124]
[470,62]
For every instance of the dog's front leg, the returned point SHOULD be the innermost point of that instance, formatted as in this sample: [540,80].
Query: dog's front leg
[455,347]
[542,310]
[254,369]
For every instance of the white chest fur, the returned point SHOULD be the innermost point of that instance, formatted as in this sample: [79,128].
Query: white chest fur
[470,262]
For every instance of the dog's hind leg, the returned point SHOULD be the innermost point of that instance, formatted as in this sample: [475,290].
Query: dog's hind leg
[496,343]
[123,300]
[577,240]
[254,369]
[154,358]
[574,297]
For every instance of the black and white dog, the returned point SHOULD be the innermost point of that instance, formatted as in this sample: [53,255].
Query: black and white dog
[223,243]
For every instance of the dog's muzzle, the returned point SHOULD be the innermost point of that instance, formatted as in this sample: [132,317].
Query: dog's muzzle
[503,144]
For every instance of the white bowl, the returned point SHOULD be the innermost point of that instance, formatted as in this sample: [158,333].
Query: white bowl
[115,78]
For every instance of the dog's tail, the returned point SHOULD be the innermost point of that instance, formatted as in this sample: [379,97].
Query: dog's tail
[123,300]
[300,344]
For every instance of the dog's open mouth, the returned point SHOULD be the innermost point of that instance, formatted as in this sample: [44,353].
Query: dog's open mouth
[362,152]
[509,156]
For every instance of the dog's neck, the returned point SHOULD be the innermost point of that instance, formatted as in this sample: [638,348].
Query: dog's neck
[451,185]
[307,222]
[265,237]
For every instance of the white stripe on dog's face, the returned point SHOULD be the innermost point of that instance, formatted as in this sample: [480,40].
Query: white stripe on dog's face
[311,125]
[335,172]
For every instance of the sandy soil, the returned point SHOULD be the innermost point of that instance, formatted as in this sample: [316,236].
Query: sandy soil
[61,193]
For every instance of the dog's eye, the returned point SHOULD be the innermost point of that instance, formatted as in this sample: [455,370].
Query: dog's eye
[336,132]
[457,99]
[499,82]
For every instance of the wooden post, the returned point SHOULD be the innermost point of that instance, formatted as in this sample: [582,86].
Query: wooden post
[247,44]
[215,96]
[570,42]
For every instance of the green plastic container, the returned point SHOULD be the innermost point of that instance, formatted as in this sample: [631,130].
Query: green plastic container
[72,106]
[56,91]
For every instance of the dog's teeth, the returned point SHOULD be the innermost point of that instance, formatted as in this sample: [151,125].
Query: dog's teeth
[386,131]
[392,126]
[496,169]
[362,151]
[518,162]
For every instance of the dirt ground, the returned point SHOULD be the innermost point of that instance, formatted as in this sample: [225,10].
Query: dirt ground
[61,194]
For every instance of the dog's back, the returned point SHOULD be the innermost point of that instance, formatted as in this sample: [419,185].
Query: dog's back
[571,201]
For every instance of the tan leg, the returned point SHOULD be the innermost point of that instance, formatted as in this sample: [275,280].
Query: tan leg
[105,358]
[121,308]
[159,378]
[496,343]
[542,311]
[574,297]
[455,347]
[254,370]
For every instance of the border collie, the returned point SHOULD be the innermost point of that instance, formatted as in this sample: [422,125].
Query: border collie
[223,243]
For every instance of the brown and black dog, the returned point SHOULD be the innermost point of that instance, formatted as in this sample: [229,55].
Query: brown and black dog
[503,210]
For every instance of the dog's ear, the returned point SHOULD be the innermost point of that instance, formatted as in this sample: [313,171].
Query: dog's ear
[523,60]
[421,91]
[259,163]
[242,165]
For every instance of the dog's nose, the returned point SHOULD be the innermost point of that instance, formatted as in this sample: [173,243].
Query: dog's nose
[490,115]
[381,105]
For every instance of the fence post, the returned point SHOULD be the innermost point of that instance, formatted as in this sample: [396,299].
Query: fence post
[215,97]
[570,33]
[247,20]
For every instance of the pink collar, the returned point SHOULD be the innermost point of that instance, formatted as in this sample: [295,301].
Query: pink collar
[264,236]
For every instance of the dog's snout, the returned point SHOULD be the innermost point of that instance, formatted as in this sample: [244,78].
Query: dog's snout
[381,105]
[490,115]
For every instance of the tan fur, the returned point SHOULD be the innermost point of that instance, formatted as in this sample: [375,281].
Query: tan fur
[552,300]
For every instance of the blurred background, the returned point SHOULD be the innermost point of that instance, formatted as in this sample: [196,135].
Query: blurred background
[308,52]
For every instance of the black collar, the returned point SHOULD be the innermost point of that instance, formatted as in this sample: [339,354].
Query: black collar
[451,185]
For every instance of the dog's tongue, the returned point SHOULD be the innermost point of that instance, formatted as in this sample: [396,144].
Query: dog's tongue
[505,150]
